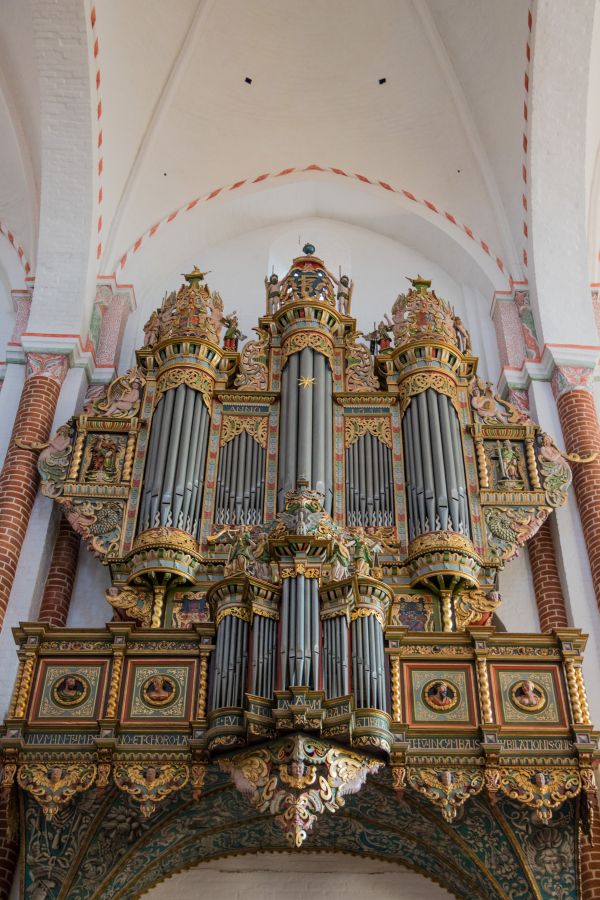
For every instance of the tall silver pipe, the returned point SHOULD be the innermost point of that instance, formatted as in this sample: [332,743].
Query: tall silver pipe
[356,482]
[343,646]
[227,483]
[328,403]
[233,484]
[306,644]
[437,456]
[425,436]
[369,463]
[196,504]
[417,456]
[299,643]
[305,419]
[409,468]
[261,489]
[363,482]
[166,515]
[315,634]
[318,423]
[254,449]
[183,458]
[256,654]
[153,444]
[450,462]
[192,453]
[283,436]
[292,424]
[241,477]
[461,478]
[284,650]
[161,457]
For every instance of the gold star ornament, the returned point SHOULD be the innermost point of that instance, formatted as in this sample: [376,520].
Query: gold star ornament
[306,382]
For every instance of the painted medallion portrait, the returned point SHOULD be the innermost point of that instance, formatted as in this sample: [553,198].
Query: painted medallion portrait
[440,695]
[70,690]
[528,696]
[159,691]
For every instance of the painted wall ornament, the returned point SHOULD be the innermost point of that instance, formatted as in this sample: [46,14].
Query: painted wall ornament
[297,779]
[54,785]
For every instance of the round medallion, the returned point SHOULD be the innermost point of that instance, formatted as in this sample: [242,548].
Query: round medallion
[440,695]
[160,690]
[70,690]
[528,696]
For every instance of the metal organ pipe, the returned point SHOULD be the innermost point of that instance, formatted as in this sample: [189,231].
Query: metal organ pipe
[305,425]
[174,475]
[240,481]
[436,484]
[369,488]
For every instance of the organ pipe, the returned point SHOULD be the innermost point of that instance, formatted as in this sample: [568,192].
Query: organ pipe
[306,441]
[436,488]
[369,487]
[174,477]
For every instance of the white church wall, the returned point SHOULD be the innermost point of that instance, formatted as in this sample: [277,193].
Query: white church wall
[304,876]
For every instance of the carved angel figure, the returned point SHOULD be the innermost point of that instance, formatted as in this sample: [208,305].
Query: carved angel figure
[123,397]
[53,461]
[131,604]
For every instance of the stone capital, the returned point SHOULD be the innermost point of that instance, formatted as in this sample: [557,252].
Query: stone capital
[47,365]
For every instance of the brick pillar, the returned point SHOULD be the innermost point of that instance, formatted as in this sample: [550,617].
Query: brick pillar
[9,842]
[590,862]
[19,479]
[61,577]
[546,580]
[579,425]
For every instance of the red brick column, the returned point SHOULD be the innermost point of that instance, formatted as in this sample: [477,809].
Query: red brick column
[61,577]
[590,862]
[546,580]
[579,425]
[9,843]
[19,478]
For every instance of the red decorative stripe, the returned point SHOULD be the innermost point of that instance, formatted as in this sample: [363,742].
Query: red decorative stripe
[313,167]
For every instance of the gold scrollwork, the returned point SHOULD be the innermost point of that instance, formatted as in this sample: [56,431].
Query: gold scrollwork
[240,612]
[150,784]
[53,786]
[543,790]
[298,341]
[364,611]
[255,426]
[378,426]
[447,789]
[421,381]
[194,379]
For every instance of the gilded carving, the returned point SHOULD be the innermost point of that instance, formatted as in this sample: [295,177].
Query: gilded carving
[359,366]
[53,786]
[543,790]
[253,370]
[150,784]
[378,426]
[123,398]
[475,607]
[299,340]
[297,779]
[447,789]
[192,377]
[255,426]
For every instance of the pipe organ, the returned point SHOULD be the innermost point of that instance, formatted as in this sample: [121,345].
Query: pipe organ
[300,535]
